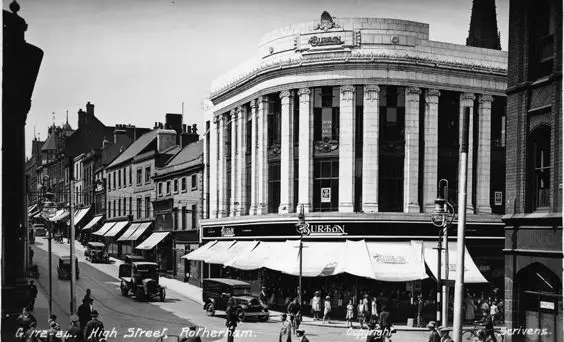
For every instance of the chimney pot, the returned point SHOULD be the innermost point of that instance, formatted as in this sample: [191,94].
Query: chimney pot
[183,128]
[194,129]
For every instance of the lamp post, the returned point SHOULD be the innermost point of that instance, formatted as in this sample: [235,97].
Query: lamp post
[442,217]
[301,228]
[48,211]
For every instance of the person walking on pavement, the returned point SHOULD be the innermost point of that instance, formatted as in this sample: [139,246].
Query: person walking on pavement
[231,318]
[316,306]
[301,336]
[285,330]
[32,294]
[326,308]
[94,330]
[420,307]
[73,333]
[25,320]
[31,253]
[373,310]
[350,314]
[54,331]
[444,334]
[84,314]
[385,321]
[360,314]
[434,336]
[294,310]
[263,297]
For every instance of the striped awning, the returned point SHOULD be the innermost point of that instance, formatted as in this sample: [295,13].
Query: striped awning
[61,215]
[129,231]
[152,240]
[139,231]
[92,222]
[105,228]
[116,229]
[80,214]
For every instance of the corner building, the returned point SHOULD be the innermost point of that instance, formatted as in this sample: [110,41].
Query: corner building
[355,120]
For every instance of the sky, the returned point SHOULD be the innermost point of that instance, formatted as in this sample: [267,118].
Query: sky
[137,60]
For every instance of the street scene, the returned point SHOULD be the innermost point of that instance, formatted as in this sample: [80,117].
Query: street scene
[282,171]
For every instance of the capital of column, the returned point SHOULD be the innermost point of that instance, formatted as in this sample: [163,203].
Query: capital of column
[224,119]
[234,115]
[413,91]
[347,93]
[253,104]
[304,94]
[285,98]
[371,92]
[432,96]
[467,97]
[216,119]
[485,99]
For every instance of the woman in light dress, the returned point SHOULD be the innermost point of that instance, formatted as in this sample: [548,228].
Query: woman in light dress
[350,314]
[470,308]
[327,308]
[316,306]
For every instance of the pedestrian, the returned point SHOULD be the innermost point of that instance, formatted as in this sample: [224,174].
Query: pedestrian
[84,314]
[360,314]
[73,333]
[374,309]
[420,307]
[285,330]
[231,318]
[294,310]
[25,320]
[263,297]
[470,309]
[444,335]
[192,335]
[88,296]
[32,333]
[54,332]
[434,336]
[301,336]
[366,308]
[32,294]
[31,253]
[494,311]
[316,306]
[385,321]
[485,307]
[350,314]
[327,308]
[94,330]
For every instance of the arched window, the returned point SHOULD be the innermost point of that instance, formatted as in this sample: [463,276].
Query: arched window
[540,167]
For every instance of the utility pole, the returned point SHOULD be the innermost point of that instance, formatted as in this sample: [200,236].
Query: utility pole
[71,242]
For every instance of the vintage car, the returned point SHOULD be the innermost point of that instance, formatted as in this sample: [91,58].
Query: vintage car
[96,252]
[39,230]
[215,294]
[141,278]
[64,267]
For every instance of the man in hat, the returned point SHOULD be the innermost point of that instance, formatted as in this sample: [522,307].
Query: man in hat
[434,336]
[263,298]
[294,310]
[84,314]
[94,330]
[444,334]
[73,332]
[301,335]
[285,330]
[420,307]
[32,294]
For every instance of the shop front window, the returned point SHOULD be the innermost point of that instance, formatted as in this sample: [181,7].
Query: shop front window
[326,185]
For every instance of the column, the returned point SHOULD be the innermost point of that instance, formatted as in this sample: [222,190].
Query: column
[411,164]
[346,149]
[234,204]
[370,133]
[242,161]
[254,168]
[431,163]
[305,152]
[213,181]
[286,154]
[264,207]
[467,100]
[206,187]
[261,160]
[221,169]
[484,155]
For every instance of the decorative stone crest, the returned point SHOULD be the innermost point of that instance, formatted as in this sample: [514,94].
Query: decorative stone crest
[326,145]
[326,23]
[274,150]
[347,93]
[371,92]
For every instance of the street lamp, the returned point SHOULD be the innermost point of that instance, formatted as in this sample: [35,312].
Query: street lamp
[442,217]
[48,211]
[301,228]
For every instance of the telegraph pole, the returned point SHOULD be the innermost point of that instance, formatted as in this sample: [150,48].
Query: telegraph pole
[71,242]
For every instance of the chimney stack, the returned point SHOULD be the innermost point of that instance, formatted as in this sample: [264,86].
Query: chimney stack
[90,109]
[166,138]
[189,136]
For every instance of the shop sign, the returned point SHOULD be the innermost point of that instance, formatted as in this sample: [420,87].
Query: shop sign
[547,305]
[321,229]
[325,195]
[389,259]
[498,198]
[227,231]
[323,41]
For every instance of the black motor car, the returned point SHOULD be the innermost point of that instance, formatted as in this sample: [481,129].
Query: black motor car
[64,267]
[96,252]
[215,294]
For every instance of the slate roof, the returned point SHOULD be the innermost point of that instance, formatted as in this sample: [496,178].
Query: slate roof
[135,148]
[50,143]
[191,155]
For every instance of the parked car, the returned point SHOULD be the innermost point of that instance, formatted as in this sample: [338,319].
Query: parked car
[141,278]
[64,267]
[215,294]
[96,252]
[39,230]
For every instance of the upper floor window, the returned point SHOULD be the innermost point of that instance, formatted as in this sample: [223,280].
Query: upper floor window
[139,207]
[183,183]
[168,187]
[326,103]
[175,185]
[541,39]
[115,180]
[147,207]
[139,176]
[273,120]
[130,175]
[160,188]
[119,178]
[540,167]
[147,174]
[194,182]
[124,177]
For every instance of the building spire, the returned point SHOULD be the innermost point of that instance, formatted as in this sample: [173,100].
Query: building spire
[483,26]
[67,116]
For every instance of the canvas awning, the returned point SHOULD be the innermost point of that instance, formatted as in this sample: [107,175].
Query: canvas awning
[92,222]
[116,229]
[139,231]
[471,273]
[80,214]
[238,248]
[105,228]
[253,259]
[397,261]
[218,247]
[194,255]
[152,240]
[61,215]
[129,231]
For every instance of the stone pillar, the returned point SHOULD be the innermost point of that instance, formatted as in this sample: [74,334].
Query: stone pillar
[286,154]
[346,149]
[234,189]
[262,162]
[483,166]
[213,181]
[264,206]
[370,149]
[254,167]
[221,169]
[431,164]
[411,164]
[242,161]
[206,187]
[467,100]
[305,152]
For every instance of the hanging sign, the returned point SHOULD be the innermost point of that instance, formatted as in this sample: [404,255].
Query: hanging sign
[325,195]
[498,198]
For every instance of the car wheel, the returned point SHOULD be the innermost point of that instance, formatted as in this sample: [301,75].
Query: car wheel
[162,295]
[124,289]
[241,315]
[210,309]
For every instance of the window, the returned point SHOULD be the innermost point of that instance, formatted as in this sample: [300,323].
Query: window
[119,179]
[273,121]
[139,176]
[194,179]
[326,113]
[176,186]
[194,213]
[175,210]
[124,207]
[124,178]
[540,168]
[541,39]
[273,187]
[183,218]
[147,207]
[130,206]
[130,175]
[160,188]
[119,207]
[139,206]
[168,187]
[326,185]
[109,209]
[183,184]
[147,174]
[115,180]
[115,205]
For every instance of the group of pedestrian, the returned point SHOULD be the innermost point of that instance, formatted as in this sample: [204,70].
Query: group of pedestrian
[439,334]
[286,331]
[316,307]
[367,312]
[475,307]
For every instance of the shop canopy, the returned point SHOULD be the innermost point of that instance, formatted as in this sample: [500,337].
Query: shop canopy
[116,229]
[471,273]
[194,255]
[238,248]
[129,231]
[60,216]
[208,252]
[105,228]
[92,222]
[254,259]
[139,231]
[152,240]
[80,214]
